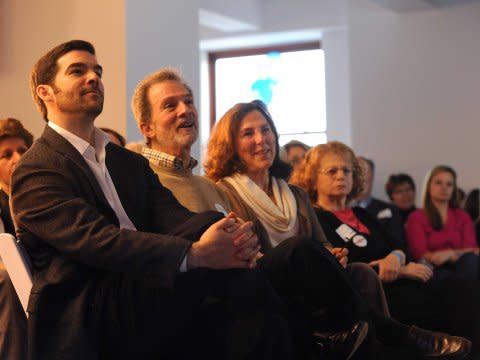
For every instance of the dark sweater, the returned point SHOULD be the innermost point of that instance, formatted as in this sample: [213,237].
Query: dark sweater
[379,243]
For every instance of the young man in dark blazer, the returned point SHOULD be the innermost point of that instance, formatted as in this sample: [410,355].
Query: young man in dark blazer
[120,268]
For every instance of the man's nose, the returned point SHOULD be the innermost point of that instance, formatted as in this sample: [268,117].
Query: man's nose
[93,77]
[184,107]
[16,156]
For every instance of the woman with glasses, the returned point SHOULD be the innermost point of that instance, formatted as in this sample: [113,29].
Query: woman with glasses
[332,176]
[243,158]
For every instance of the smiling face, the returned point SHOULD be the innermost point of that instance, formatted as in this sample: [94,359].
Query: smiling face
[11,149]
[441,187]
[334,178]
[173,126]
[77,87]
[255,144]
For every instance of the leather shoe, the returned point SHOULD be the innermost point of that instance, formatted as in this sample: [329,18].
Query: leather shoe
[341,345]
[437,345]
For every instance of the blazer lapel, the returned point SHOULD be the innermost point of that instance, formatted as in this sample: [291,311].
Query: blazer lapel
[119,167]
[62,146]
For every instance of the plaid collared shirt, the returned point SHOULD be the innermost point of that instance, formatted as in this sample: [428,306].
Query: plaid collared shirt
[166,160]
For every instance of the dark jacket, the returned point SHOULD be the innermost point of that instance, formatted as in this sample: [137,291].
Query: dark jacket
[78,250]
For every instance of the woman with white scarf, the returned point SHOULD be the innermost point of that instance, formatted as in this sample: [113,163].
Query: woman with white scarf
[243,158]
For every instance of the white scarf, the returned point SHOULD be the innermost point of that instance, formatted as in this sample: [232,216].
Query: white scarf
[280,217]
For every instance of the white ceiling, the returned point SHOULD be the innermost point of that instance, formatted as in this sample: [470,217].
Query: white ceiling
[417,5]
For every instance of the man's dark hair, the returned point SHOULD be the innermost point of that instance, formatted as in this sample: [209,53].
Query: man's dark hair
[46,68]
[370,163]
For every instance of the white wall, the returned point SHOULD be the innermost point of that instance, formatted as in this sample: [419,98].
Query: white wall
[159,34]
[282,15]
[415,89]
[29,28]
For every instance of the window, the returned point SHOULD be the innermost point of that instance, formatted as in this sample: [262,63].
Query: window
[289,79]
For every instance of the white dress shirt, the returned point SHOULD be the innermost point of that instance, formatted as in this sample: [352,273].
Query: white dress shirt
[95,158]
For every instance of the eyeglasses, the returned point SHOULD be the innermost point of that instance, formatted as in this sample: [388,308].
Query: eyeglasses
[333,171]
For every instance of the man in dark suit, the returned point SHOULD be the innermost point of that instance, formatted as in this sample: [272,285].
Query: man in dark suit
[120,268]
[387,214]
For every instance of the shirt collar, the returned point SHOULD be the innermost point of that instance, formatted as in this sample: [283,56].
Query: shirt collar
[364,203]
[160,158]
[83,147]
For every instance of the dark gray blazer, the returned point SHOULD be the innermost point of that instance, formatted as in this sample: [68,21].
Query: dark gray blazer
[77,248]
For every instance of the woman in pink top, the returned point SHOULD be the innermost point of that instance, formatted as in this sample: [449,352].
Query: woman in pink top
[441,233]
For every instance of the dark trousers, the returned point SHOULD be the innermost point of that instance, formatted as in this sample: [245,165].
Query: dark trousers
[208,314]
[317,291]
[466,268]
[449,305]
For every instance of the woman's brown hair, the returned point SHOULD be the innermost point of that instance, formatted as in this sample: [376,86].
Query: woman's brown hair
[430,209]
[13,128]
[222,158]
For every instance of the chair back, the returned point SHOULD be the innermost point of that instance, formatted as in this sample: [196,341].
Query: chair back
[18,266]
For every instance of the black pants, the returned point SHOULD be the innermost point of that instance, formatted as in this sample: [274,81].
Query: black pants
[208,314]
[445,305]
[317,291]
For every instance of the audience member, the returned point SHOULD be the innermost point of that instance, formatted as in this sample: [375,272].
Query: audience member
[461,197]
[400,188]
[472,207]
[121,269]
[294,152]
[166,115]
[442,233]
[331,175]
[114,136]
[387,214]
[243,157]
[14,141]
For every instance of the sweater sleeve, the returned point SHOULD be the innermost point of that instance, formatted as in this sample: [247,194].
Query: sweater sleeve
[417,234]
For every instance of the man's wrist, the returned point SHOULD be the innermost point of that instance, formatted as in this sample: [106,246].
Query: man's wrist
[192,257]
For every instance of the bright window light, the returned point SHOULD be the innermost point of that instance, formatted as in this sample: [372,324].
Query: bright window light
[292,84]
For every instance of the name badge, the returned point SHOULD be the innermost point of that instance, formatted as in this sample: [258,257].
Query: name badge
[359,240]
[385,214]
[221,209]
[348,234]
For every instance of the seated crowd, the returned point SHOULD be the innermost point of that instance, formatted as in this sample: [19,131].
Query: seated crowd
[136,256]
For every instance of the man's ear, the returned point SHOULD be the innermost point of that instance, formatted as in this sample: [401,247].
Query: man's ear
[147,130]
[45,92]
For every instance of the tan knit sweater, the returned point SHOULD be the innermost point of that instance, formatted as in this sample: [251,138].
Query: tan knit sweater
[195,192]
